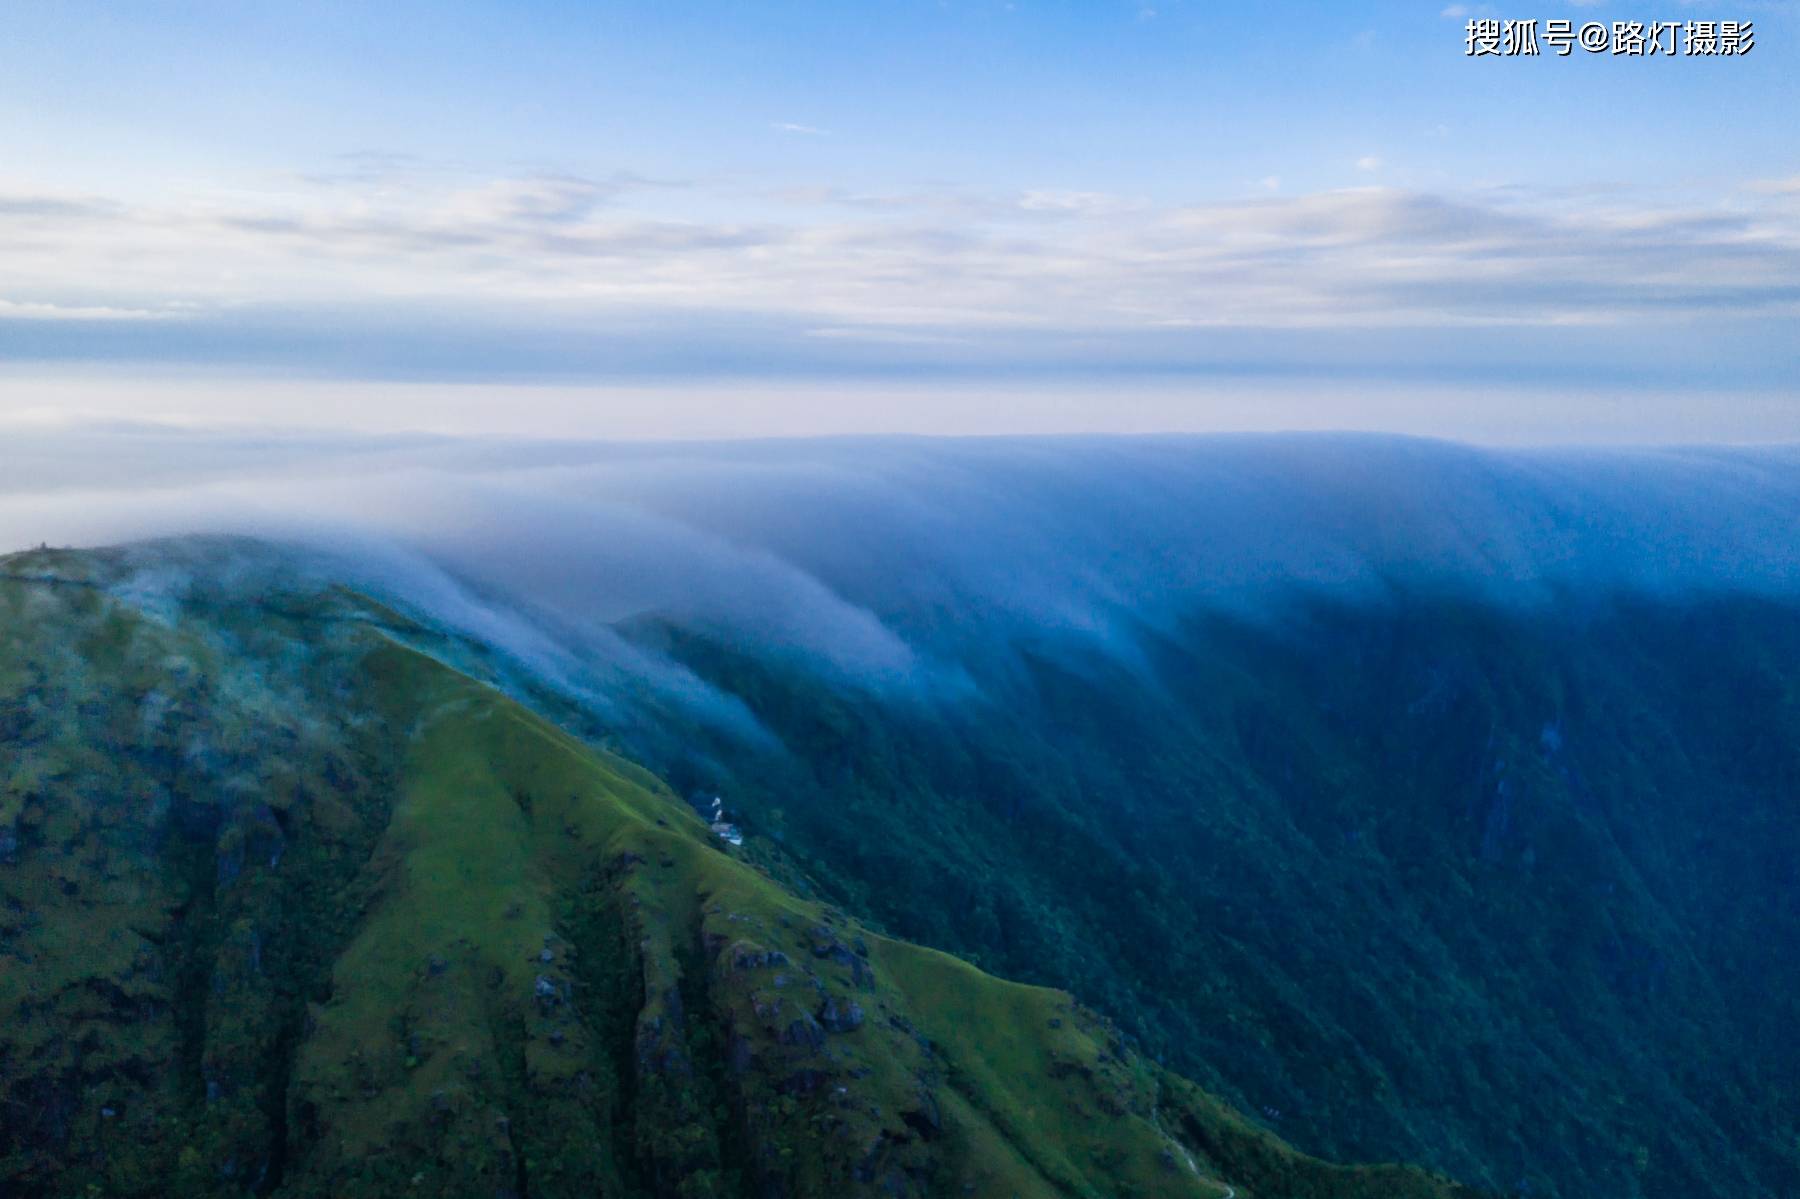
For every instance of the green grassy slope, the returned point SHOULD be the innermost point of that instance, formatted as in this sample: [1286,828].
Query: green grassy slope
[290,906]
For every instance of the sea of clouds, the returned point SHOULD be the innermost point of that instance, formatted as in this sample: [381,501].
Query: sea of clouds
[892,560]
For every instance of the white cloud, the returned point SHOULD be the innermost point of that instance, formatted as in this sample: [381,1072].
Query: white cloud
[1073,202]
[1368,162]
[803,130]
[34,311]
[567,252]
[897,337]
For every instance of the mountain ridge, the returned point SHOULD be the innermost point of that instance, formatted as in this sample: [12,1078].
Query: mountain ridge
[293,907]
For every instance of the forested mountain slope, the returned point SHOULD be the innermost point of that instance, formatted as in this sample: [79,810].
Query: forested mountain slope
[1425,802]
[1515,893]
[290,905]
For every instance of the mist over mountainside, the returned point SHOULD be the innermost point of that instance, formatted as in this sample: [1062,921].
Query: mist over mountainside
[875,554]
[1430,803]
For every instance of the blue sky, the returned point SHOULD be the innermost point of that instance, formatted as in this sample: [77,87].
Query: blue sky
[1160,214]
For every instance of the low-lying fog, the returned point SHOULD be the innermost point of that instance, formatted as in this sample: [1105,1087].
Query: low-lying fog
[887,558]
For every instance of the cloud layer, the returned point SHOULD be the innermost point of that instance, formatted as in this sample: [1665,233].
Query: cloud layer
[897,562]
[391,261]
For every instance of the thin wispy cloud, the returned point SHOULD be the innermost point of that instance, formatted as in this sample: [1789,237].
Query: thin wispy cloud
[947,265]
[79,312]
[1075,203]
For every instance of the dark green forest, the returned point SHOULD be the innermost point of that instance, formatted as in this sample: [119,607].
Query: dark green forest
[1511,892]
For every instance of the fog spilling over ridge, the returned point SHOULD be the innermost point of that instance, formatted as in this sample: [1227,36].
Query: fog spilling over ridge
[890,559]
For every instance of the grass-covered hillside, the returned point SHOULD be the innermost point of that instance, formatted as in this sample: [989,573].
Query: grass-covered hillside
[289,905]
[1511,892]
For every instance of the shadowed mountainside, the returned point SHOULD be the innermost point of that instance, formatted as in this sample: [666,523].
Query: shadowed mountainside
[1509,892]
